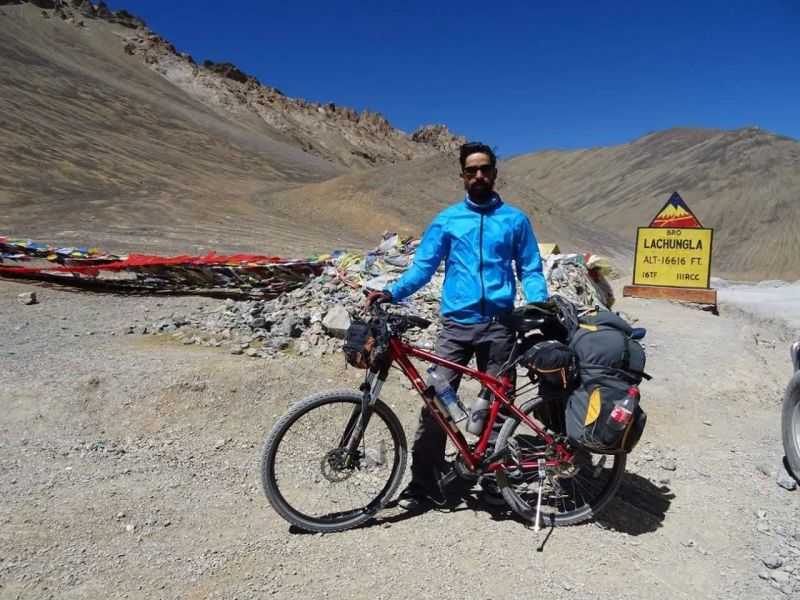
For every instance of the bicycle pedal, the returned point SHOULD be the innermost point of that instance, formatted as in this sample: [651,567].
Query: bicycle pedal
[444,479]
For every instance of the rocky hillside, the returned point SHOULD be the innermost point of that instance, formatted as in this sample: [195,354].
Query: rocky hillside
[744,184]
[100,147]
[406,196]
[118,140]
[112,137]
[335,133]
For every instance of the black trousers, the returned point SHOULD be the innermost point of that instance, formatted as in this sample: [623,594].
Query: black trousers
[491,344]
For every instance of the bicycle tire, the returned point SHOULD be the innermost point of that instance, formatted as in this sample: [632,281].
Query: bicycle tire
[314,454]
[572,494]
[790,425]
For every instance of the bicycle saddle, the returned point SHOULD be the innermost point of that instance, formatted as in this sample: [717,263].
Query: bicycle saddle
[523,323]
[537,315]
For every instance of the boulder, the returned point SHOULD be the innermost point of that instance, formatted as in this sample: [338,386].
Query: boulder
[123,17]
[83,6]
[438,136]
[291,326]
[27,297]
[228,70]
[337,321]
[101,11]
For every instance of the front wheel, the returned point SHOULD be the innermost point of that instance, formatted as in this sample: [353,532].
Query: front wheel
[571,492]
[311,478]
[790,425]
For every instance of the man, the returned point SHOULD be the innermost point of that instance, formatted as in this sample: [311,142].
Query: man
[478,238]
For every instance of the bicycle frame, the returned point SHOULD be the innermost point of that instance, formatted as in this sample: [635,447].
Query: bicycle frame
[400,352]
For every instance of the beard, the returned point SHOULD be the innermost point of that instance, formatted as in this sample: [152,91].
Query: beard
[480,191]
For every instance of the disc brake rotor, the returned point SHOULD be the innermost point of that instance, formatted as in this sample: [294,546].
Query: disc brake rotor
[333,468]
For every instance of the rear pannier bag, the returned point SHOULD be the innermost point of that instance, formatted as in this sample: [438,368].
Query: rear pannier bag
[552,412]
[358,344]
[588,414]
[603,344]
[553,364]
[611,363]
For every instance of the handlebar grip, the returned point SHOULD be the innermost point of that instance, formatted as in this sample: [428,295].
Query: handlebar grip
[418,321]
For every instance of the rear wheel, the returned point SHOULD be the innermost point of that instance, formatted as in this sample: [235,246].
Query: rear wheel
[790,425]
[571,492]
[309,477]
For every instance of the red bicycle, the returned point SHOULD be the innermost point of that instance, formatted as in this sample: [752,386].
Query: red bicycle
[337,457]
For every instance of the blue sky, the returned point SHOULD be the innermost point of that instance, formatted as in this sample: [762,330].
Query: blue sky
[521,76]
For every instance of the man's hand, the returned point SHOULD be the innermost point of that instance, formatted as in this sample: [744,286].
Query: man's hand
[377,297]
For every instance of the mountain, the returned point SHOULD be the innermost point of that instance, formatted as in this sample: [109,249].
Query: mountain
[112,137]
[406,196]
[744,184]
[115,138]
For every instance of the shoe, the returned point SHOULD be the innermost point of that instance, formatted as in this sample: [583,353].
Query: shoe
[491,494]
[418,496]
[410,502]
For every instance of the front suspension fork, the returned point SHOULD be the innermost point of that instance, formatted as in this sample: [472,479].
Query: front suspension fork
[360,415]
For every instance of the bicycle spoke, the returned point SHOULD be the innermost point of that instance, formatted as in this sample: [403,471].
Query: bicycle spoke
[310,471]
[571,492]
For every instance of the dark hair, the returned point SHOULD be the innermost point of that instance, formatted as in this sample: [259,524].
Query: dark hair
[472,148]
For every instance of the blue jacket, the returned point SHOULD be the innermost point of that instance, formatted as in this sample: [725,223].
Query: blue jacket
[478,244]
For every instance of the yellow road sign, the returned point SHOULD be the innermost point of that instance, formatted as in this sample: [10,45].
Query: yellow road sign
[673,257]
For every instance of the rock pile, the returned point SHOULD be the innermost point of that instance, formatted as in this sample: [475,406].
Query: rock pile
[781,568]
[313,319]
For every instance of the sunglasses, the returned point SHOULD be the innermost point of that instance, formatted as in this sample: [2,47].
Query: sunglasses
[485,169]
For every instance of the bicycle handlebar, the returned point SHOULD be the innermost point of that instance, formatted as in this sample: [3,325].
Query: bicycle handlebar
[403,321]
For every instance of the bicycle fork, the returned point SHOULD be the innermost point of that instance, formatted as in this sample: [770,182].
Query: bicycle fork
[359,417]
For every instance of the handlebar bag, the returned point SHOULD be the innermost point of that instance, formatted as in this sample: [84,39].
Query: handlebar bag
[358,344]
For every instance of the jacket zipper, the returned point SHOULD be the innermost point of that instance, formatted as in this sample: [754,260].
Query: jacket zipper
[480,269]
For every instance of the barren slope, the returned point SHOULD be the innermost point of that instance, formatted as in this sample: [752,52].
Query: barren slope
[406,196]
[99,148]
[742,183]
[102,149]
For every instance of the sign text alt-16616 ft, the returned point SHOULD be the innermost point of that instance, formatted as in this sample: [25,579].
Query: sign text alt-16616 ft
[673,257]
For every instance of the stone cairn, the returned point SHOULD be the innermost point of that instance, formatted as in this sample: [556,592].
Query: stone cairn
[313,319]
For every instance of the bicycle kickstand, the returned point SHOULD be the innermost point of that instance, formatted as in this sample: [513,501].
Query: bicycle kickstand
[542,475]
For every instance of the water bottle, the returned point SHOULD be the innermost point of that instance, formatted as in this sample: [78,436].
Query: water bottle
[623,410]
[479,410]
[447,395]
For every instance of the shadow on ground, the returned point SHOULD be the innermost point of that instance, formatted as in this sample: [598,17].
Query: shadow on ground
[639,506]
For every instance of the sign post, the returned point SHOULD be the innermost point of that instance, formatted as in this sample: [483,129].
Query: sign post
[673,257]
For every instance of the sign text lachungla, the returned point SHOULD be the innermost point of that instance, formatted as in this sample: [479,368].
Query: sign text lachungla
[675,250]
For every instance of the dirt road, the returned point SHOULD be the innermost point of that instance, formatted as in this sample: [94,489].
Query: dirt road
[129,468]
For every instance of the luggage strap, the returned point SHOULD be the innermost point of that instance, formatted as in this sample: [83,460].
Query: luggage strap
[590,367]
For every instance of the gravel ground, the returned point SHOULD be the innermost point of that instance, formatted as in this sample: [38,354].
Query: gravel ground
[129,467]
